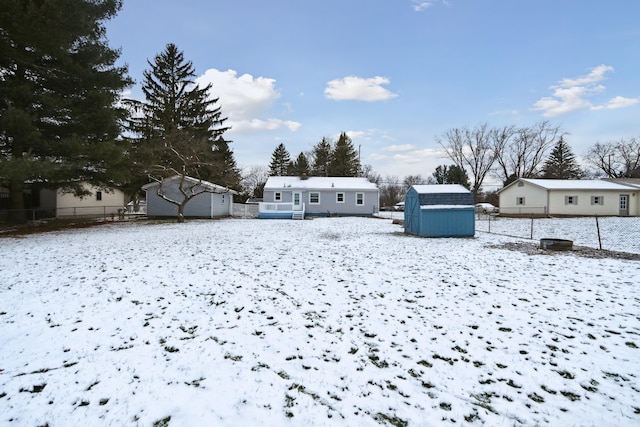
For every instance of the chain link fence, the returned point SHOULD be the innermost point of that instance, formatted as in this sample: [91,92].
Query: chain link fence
[620,234]
[104,212]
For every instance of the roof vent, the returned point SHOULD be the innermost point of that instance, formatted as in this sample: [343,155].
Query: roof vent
[304,176]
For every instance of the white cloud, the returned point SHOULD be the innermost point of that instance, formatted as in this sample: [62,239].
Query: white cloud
[358,88]
[256,125]
[245,100]
[621,102]
[572,94]
[397,148]
[419,6]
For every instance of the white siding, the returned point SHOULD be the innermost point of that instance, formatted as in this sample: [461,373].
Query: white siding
[69,205]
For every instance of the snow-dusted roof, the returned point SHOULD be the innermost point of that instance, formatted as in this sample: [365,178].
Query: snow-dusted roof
[215,188]
[576,184]
[319,183]
[440,188]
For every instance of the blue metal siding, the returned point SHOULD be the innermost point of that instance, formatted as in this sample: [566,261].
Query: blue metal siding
[447,223]
[435,222]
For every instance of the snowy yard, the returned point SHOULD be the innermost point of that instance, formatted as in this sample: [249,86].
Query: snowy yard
[342,321]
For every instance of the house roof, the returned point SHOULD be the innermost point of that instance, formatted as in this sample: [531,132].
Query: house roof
[634,182]
[319,183]
[211,187]
[440,188]
[573,184]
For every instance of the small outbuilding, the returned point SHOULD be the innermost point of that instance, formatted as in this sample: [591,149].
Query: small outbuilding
[206,200]
[441,210]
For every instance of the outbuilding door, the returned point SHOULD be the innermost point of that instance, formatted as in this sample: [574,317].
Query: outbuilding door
[624,205]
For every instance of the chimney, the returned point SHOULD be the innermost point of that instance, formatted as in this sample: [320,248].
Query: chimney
[304,177]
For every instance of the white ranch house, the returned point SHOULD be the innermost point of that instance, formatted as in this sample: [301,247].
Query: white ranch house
[569,198]
[293,197]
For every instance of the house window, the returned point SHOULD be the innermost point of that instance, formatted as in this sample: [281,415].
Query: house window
[359,199]
[597,200]
[520,201]
[98,195]
[570,200]
[521,184]
[277,196]
[223,199]
[339,197]
[314,198]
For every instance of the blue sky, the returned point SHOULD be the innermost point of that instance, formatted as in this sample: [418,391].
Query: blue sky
[395,74]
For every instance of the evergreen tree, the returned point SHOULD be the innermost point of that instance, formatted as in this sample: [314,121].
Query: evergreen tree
[344,160]
[561,163]
[457,175]
[59,124]
[451,175]
[179,129]
[321,154]
[300,166]
[441,174]
[178,126]
[225,170]
[280,161]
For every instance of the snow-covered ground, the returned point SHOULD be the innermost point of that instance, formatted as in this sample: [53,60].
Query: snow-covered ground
[616,233]
[341,321]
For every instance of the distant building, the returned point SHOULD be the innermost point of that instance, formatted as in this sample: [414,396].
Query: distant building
[570,197]
[292,197]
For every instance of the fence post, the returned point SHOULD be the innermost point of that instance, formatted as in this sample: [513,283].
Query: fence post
[489,223]
[598,228]
[532,228]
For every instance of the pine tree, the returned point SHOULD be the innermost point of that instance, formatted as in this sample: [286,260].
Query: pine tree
[300,167]
[179,129]
[561,163]
[59,87]
[225,171]
[345,159]
[280,161]
[457,175]
[321,154]
[178,124]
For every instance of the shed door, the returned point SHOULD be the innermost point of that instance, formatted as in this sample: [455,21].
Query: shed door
[624,205]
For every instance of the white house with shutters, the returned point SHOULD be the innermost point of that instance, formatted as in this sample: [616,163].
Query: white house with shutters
[569,198]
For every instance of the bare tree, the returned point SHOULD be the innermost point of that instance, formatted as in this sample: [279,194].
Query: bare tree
[521,152]
[619,159]
[253,181]
[391,191]
[180,152]
[470,149]
[410,180]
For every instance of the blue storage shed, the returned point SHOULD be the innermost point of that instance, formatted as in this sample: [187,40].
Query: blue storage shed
[442,210]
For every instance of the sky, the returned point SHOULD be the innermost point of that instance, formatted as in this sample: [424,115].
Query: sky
[397,74]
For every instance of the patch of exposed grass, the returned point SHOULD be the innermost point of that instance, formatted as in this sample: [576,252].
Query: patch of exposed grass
[570,395]
[163,422]
[392,420]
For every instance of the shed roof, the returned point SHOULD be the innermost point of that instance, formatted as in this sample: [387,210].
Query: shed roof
[440,188]
[209,186]
[573,184]
[319,183]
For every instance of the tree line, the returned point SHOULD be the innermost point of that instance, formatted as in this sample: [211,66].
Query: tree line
[63,123]
[537,151]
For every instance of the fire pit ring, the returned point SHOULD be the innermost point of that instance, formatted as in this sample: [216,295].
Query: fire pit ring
[556,244]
